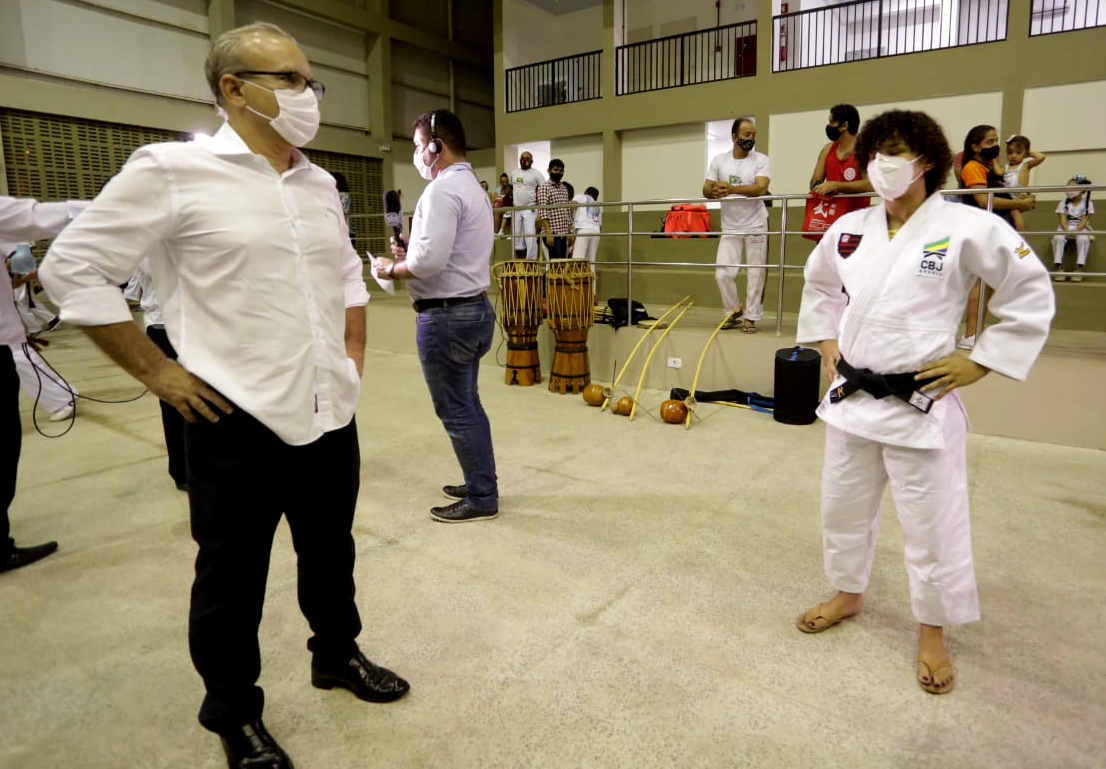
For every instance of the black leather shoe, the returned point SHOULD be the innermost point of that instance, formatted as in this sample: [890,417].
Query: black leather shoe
[14,557]
[250,746]
[461,512]
[367,681]
[456,492]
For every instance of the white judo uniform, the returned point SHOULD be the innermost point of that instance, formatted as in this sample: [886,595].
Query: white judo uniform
[893,305]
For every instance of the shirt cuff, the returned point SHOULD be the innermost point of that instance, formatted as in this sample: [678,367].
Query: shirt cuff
[99,306]
[356,294]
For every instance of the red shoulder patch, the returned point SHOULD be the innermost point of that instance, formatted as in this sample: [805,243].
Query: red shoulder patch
[847,243]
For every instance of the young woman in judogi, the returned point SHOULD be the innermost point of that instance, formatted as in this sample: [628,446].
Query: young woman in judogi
[884,292]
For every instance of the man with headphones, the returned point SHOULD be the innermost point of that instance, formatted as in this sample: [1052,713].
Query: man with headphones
[447,272]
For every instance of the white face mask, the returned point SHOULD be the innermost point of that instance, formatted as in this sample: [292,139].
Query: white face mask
[298,119]
[890,175]
[425,171]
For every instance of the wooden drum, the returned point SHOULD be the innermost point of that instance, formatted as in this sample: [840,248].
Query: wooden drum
[568,289]
[520,294]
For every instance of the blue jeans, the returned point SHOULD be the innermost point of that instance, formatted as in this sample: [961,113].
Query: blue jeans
[451,342]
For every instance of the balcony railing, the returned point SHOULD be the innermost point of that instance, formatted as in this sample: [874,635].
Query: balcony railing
[872,29]
[722,53]
[557,81]
[1051,16]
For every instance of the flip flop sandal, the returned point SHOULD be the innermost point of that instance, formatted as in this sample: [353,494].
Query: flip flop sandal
[931,687]
[802,623]
[748,328]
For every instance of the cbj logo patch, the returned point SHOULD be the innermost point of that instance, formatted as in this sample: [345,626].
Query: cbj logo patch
[933,258]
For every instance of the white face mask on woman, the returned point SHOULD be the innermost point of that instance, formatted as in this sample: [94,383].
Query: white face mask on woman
[298,119]
[890,175]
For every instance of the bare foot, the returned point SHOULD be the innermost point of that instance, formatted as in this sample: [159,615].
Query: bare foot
[826,615]
[935,670]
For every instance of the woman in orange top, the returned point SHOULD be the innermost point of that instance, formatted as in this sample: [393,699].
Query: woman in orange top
[980,170]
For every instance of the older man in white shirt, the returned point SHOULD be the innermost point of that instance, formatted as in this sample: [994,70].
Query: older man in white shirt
[447,272]
[263,299]
[20,219]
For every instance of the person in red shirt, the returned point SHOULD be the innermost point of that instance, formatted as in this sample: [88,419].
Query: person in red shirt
[838,170]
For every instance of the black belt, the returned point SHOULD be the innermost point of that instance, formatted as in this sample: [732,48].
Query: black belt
[422,305]
[879,386]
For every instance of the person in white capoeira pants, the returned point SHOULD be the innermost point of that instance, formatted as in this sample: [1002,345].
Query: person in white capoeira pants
[884,292]
[734,174]
[1075,217]
[525,180]
[587,220]
[45,387]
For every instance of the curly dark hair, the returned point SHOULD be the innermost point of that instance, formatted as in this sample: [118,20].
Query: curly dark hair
[919,131]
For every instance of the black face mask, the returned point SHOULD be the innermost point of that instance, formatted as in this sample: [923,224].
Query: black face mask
[990,153]
[833,133]
[555,177]
[746,144]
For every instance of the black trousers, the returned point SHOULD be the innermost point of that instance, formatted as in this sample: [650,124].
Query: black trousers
[172,422]
[559,249]
[241,479]
[11,440]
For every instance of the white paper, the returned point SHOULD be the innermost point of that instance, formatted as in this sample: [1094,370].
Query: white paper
[384,283]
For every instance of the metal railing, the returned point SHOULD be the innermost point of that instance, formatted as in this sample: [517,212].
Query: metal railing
[557,81]
[722,53]
[781,266]
[1051,16]
[873,29]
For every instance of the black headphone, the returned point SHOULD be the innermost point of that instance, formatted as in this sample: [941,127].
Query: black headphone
[434,146]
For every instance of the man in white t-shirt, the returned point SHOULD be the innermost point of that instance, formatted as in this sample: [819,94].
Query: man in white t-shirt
[735,174]
[525,180]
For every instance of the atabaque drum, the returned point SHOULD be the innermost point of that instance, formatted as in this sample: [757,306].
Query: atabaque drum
[570,296]
[520,294]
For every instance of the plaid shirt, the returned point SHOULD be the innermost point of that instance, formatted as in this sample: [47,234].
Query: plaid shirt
[560,219]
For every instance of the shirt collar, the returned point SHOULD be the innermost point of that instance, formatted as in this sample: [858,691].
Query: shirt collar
[226,141]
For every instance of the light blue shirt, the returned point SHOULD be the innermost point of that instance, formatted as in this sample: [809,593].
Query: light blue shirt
[451,237]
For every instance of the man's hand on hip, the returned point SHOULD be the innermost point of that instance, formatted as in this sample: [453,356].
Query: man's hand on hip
[187,393]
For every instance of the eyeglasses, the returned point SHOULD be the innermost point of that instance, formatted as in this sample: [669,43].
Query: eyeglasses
[295,80]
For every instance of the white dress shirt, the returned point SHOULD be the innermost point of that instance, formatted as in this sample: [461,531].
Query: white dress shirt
[253,268]
[24,219]
[451,237]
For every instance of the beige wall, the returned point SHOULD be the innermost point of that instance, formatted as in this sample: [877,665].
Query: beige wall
[140,61]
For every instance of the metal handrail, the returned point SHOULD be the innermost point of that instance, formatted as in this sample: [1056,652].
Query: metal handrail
[782,266]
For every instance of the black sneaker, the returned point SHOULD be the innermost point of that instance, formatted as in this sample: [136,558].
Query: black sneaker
[456,492]
[461,512]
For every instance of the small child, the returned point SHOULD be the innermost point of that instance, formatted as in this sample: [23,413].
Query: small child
[1020,159]
[1075,216]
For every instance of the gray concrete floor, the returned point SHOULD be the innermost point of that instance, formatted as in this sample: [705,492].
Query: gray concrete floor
[632,606]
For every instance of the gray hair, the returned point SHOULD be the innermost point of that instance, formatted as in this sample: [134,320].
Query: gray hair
[225,56]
